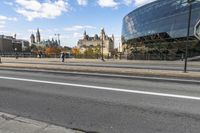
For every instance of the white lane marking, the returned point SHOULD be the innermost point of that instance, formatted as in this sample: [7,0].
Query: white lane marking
[104,88]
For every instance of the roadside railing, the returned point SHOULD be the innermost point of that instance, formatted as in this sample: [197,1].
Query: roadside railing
[135,56]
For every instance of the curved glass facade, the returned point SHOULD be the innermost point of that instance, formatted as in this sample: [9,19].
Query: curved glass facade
[168,17]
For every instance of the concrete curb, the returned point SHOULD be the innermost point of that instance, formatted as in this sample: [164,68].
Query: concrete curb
[17,124]
[145,78]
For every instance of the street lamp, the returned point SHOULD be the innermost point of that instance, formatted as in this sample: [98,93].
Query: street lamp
[16,55]
[58,38]
[188,33]
[102,58]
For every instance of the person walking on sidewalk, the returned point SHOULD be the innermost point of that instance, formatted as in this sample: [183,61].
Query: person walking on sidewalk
[63,56]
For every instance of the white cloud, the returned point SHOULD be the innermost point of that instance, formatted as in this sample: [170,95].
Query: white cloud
[1,26]
[34,30]
[77,35]
[139,3]
[108,3]
[82,2]
[79,27]
[128,2]
[2,22]
[4,19]
[33,9]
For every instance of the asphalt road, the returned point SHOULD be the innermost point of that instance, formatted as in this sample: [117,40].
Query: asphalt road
[100,104]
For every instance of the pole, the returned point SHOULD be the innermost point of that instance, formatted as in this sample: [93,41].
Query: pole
[58,38]
[188,34]
[120,55]
[102,58]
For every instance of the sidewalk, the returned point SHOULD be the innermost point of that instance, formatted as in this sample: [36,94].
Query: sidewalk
[14,124]
[99,61]
[105,70]
[72,60]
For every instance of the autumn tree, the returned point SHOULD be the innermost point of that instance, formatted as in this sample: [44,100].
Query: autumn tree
[75,51]
[52,50]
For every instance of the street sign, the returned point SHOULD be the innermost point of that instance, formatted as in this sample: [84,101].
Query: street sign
[197,30]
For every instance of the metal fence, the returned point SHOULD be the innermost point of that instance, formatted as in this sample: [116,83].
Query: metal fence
[136,56]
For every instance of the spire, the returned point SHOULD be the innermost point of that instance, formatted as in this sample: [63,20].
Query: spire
[85,35]
[38,35]
[102,31]
[32,37]
[113,37]
[103,35]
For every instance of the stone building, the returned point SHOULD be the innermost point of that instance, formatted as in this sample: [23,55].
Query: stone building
[32,38]
[11,44]
[5,44]
[36,40]
[96,41]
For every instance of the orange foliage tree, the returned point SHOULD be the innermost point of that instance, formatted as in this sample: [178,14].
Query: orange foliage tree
[75,51]
[52,50]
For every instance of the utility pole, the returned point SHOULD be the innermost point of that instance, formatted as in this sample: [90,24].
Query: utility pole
[188,34]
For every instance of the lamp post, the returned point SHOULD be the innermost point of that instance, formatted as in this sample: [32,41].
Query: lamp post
[16,55]
[58,38]
[102,58]
[188,34]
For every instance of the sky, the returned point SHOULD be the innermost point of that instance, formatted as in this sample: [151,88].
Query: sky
[69,18]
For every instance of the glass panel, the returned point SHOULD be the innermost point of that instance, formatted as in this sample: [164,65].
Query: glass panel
[168,16]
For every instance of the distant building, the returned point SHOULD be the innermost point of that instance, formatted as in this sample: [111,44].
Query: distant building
[20,45]
[96,41]
[11,44]
[5,44]
[36,40]
[32,38]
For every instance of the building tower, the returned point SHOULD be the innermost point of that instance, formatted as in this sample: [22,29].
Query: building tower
[32,38]
[85,35]
[103,34]
[38,36]
[113,38]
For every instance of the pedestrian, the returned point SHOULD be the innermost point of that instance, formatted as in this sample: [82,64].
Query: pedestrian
[63,57]
[40,54]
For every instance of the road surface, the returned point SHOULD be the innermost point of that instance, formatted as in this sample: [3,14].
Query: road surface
[101,104]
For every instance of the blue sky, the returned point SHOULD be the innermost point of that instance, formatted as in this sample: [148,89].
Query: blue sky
[69,18]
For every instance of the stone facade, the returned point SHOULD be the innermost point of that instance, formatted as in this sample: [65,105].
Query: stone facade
[9,44]
[36,40]
[96,41]
[5,44]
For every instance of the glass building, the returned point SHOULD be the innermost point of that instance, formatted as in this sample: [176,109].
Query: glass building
[161,20]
